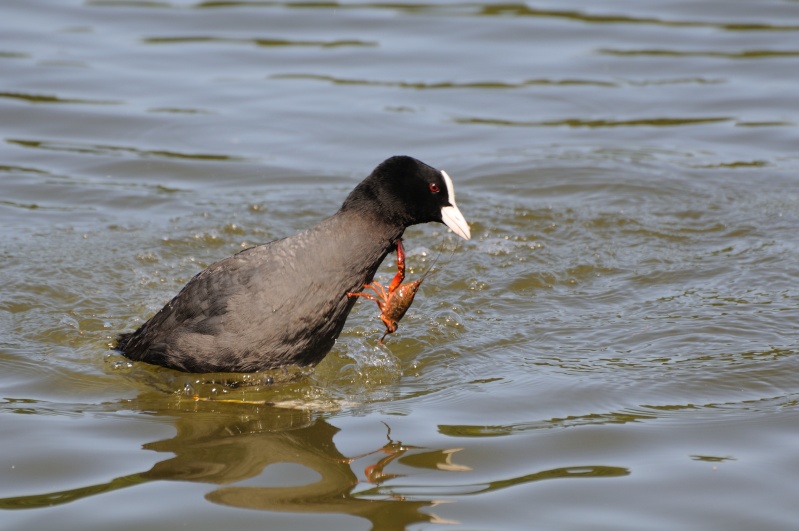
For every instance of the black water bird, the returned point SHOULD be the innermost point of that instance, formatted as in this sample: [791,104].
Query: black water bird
[285,302]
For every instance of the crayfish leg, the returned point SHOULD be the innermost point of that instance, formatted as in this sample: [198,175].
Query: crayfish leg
[379,290]
[361,294]
[400,276]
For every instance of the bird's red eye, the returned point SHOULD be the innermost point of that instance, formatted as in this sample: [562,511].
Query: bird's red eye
[434,188]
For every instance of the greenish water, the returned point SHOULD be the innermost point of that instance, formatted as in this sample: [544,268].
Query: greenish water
[615,348]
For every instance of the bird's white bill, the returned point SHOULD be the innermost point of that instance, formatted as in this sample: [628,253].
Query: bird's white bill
[451,215]
[453,219]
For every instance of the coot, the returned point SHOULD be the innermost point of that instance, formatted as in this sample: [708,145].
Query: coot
[285,302]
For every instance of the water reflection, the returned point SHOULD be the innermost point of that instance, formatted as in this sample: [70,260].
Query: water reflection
[745,54]
[112,150]
[447,84]
[51,98]
[481,9]
[213,445]
[202,39]
[576,122]
[233,445]
[229,453]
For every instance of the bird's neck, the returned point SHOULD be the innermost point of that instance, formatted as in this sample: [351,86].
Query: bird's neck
[370,226]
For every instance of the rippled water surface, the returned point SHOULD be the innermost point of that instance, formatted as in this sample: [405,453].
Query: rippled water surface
[615,348]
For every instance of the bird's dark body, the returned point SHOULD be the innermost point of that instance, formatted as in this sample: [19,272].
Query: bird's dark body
[284,302]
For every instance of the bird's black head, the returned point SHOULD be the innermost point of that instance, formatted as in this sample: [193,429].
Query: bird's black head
[403,191]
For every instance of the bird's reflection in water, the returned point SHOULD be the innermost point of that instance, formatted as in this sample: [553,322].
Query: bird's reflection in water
[233,444]
[226,444]
[231,453]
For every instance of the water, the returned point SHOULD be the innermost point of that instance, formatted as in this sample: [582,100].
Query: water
[616,347]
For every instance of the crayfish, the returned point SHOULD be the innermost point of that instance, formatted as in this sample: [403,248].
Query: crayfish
[394,301]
